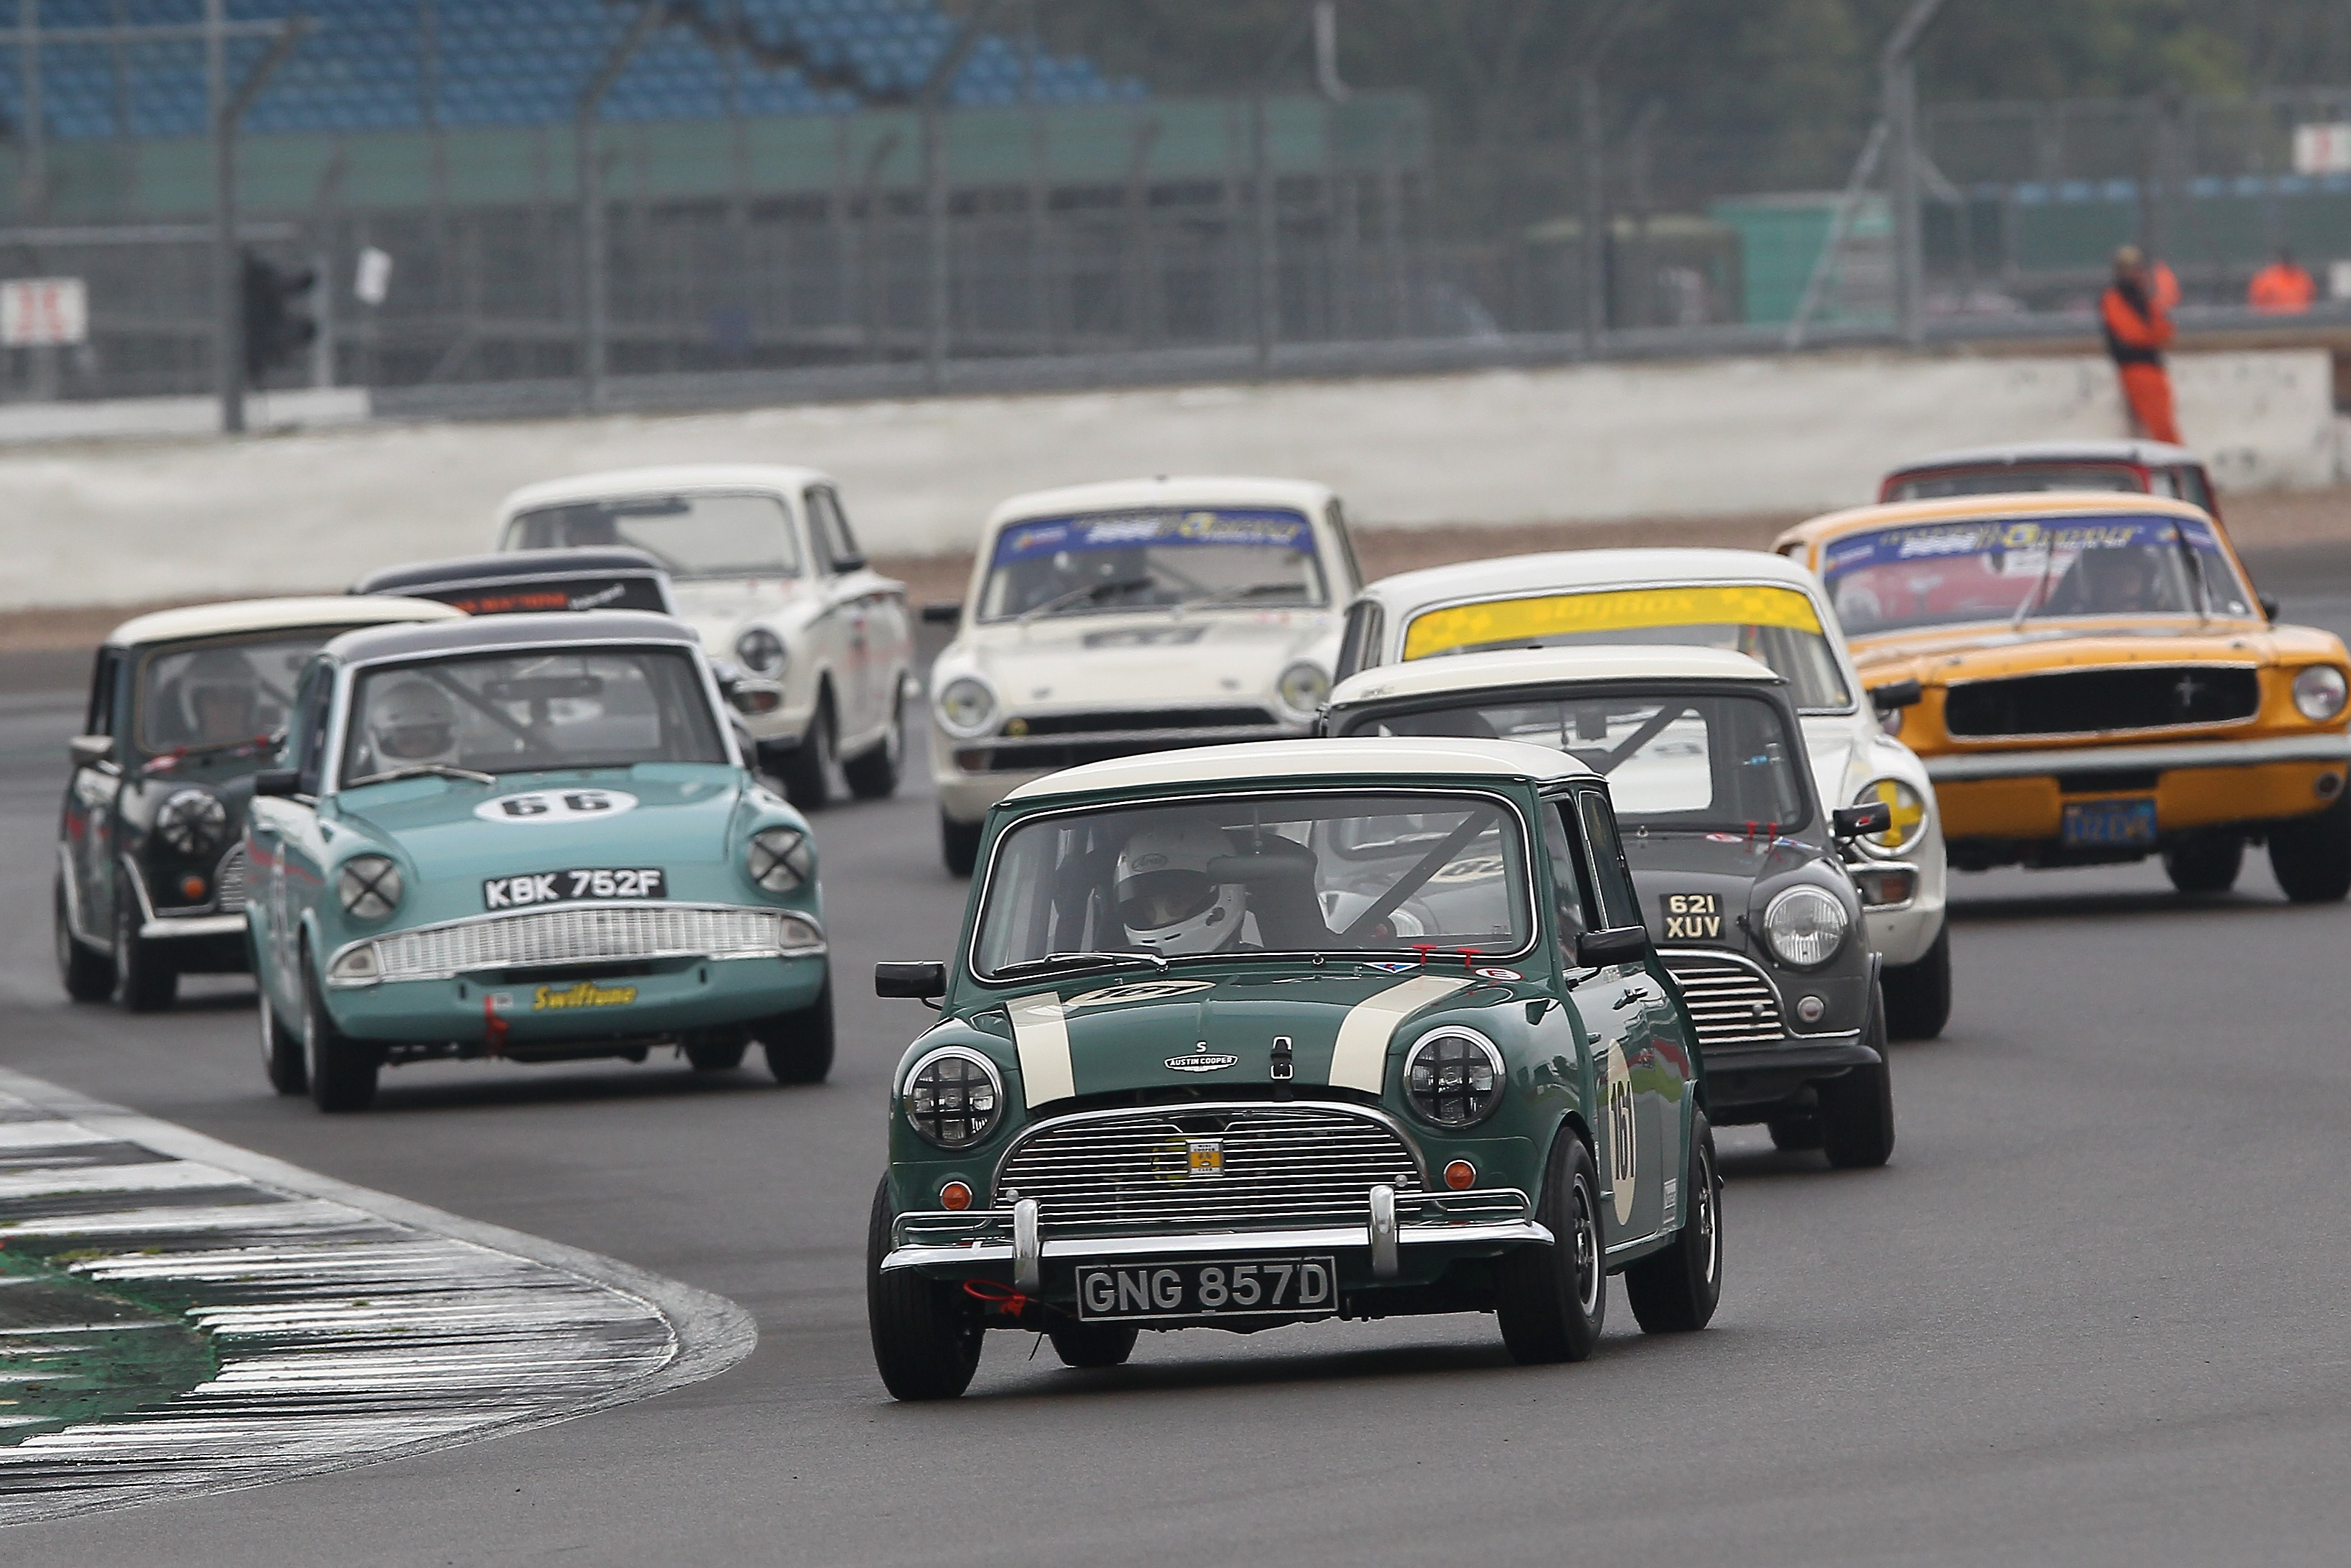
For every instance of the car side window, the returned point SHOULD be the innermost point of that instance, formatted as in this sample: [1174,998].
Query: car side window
[2191,486]
[306,741]
[1566,879]
[1359,647]
[1612,880]
[100,720]
[829,526]
[1337,517]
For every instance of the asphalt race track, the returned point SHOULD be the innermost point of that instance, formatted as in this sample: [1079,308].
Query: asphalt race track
[2093,1311]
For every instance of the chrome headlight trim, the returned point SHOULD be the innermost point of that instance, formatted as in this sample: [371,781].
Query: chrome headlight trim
[1805,926]
[1428,1086]
[780,859]
[191,822]
[979,1104]
[2319,691]
[369,886]
[1897,843]
[1303,687]
[966,706]
[761,650]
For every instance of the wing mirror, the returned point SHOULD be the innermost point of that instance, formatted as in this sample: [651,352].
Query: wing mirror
[944,613]
[90,750]
[284,783]
[1896,694]
[1618,944]
[2268,604]
[1862,822]
[915,982]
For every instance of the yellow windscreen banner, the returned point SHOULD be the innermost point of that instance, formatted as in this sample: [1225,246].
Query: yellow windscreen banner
[1501,623]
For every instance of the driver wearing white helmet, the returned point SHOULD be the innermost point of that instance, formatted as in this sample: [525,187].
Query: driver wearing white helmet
[414,722]
[1167,900]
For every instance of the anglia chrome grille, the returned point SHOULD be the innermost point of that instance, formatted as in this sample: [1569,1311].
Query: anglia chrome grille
[1729,1000]
[593,935]
[228,881]
[1283,1165]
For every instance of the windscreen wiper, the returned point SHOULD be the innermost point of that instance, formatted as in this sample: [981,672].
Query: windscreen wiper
[1088,960]
[1091,592]
[423,770]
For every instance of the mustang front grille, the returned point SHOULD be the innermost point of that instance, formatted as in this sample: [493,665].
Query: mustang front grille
[228,881]
[2096,701]
[1729,1000]
[586,935]
[1209,1169]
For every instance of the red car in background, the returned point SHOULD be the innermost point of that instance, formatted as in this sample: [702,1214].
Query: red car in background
[2150,467]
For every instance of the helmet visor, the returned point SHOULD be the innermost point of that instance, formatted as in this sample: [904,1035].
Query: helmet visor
[1154,900]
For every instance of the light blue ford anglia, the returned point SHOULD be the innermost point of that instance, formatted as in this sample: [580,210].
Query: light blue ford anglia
[529,837]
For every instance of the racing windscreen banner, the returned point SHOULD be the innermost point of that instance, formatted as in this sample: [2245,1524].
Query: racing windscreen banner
[1261,528]
[1502,622]
[2028,538]
[516,597]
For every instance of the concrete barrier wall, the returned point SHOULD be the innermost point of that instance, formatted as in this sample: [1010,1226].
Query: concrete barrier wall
[121,523]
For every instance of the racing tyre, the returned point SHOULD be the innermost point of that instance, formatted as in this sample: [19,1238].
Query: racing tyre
[1676,1290]
[715,1055]
[798,1044]
[874,775]
[1551,1300]
[809,772]
[149,979]
[281,1050]
[87,974]
[1917,995]
[959,844]
[2208,864]
[926,1336]
[1089,1345]
[342,1071]
[1795,1132]
[1858,1108]
[2311,855]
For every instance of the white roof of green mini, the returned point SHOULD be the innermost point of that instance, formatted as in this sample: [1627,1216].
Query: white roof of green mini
[669,479]
[1309,761]
[1547,668]
[1164,491]
[235,616]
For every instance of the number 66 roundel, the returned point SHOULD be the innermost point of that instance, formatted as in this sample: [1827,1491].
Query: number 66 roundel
[556,806]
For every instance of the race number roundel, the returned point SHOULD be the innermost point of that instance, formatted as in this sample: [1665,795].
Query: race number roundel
[1624,1141]
[556,806]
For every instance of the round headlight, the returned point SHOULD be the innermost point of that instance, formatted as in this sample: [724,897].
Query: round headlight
[1303,688]
[191,822]
[761,650]
[953,1097]
[1805,926]
[1453,1077]
[2318,693]
[966,706]
[780,859]
[369,886]
[1909,809]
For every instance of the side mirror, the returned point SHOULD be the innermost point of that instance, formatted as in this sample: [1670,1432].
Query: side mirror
[845,564]
[1618,944]
[284,783]
[916,982]
[90,750]
[2268,604]
[1862,821]
[727,674]
[944,613]
[1896,694]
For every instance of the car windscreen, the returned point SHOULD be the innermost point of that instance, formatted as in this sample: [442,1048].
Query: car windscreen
[1709,763]
[213,696]
[1370,873]
[2007,478]
[691,535]
[2020,568]
[1239,557]
[525,711]
[1777,626]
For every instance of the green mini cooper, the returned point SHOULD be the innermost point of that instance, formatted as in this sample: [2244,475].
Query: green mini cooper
[1251,1035]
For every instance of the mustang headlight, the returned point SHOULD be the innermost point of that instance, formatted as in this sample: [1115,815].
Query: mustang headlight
[1805,926]
[1909,809]
[780,859]
[966,706]
[761,650]
[1453,1076]
[191,822]
[369,886]
[953,1097]
[2318,693]
[1303,688]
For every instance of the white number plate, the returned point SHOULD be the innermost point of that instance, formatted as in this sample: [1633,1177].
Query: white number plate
[600,886]
[1276,1287]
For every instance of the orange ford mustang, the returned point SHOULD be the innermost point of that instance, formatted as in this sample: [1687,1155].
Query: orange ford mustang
[2095,682]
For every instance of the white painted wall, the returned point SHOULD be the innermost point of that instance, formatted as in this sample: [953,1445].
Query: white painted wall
[123,523]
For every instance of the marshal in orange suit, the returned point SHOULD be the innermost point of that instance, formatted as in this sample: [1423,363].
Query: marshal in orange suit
[2138,326]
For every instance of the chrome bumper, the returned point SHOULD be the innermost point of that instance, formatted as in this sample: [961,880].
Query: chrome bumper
[1968,766]
[179,927]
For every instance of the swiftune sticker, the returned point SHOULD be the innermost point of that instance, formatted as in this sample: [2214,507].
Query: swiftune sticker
[586,994]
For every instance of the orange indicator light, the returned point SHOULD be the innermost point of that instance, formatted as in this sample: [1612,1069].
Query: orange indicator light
[1460,1175]
[954,1195]
[191,888]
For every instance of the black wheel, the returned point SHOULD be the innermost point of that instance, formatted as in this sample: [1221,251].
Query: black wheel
[926,1335]
[958,844]
[1553,1300]
[87,974]
[150,980]
[281,1052]
[798,1044]
[2209,863]
[708,1055]
[342,1071]
[1796,1131]
[1858,1108]
[1092,1344]
[1676,1290]
[811,773]
[1918,996]
[2311,855]
[874,775]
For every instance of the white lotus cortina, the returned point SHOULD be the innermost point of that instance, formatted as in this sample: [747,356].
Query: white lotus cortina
[1105,619]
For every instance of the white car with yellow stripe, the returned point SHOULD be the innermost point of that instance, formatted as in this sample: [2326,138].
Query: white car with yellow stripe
[1744,600]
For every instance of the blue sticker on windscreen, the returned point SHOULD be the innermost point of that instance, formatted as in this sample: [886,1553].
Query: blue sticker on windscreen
[1261,528]
[1927,541]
